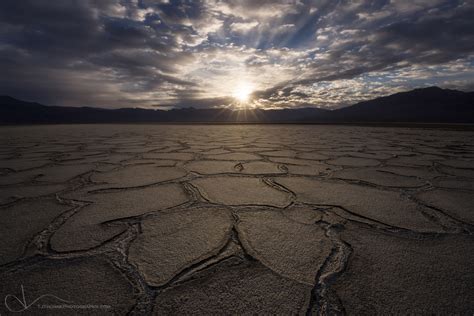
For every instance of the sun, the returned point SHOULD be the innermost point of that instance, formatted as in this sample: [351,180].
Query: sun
[242,92]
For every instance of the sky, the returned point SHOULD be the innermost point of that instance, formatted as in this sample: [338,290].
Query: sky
[236,53]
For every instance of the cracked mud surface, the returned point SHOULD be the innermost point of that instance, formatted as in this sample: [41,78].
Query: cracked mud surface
[157,220]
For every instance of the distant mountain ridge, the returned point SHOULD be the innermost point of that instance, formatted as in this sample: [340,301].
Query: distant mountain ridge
[425,105]
[431,104]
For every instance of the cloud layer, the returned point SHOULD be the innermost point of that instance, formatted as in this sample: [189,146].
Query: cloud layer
[115,53]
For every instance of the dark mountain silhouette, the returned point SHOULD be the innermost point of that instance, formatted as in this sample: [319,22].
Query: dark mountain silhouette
[420,105]
[428,105]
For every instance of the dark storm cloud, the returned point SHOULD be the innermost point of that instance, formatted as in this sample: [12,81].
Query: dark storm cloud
[293,53]
[84,52]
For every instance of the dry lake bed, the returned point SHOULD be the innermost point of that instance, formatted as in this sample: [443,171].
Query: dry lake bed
[236,219]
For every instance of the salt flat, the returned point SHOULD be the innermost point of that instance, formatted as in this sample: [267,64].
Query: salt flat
[236,219]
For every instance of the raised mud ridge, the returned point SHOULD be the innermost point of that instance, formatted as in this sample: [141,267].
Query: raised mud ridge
[144,220]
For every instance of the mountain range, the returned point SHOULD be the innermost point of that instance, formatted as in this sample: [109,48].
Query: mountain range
[425,105]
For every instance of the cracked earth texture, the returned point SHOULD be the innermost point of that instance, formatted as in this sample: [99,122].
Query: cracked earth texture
[242,219]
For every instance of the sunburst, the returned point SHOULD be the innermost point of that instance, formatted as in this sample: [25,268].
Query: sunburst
[243,92]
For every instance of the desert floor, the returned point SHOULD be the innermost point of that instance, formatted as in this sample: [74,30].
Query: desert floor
[236,219]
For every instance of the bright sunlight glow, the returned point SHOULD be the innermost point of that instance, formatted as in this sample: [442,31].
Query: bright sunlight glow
[242,92]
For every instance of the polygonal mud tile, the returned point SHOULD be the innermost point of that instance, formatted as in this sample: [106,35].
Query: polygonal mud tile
[60,173]
[373,155]
[155,162]
[460,184]
[15,177]
[174,240]
[415,161]
[291,249]
[138,175]
[217,151]
[117,158]
[234,156]
[237,288]
[379,205]
[260,167]
[241,191]
[85,160]
[21,221]
[469,173]
[379,177]
[13,193]
[169,156]
[312,156]
[353,162]
[303,214]
[23,164]
[279,153]
[250,149]
[88,228]
[294,161]
[456,163]
[331,152]
[457,204]
[212,166]
[314,169]
[392,275]
[418,172]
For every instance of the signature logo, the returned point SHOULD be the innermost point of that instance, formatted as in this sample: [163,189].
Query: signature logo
[21,302]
